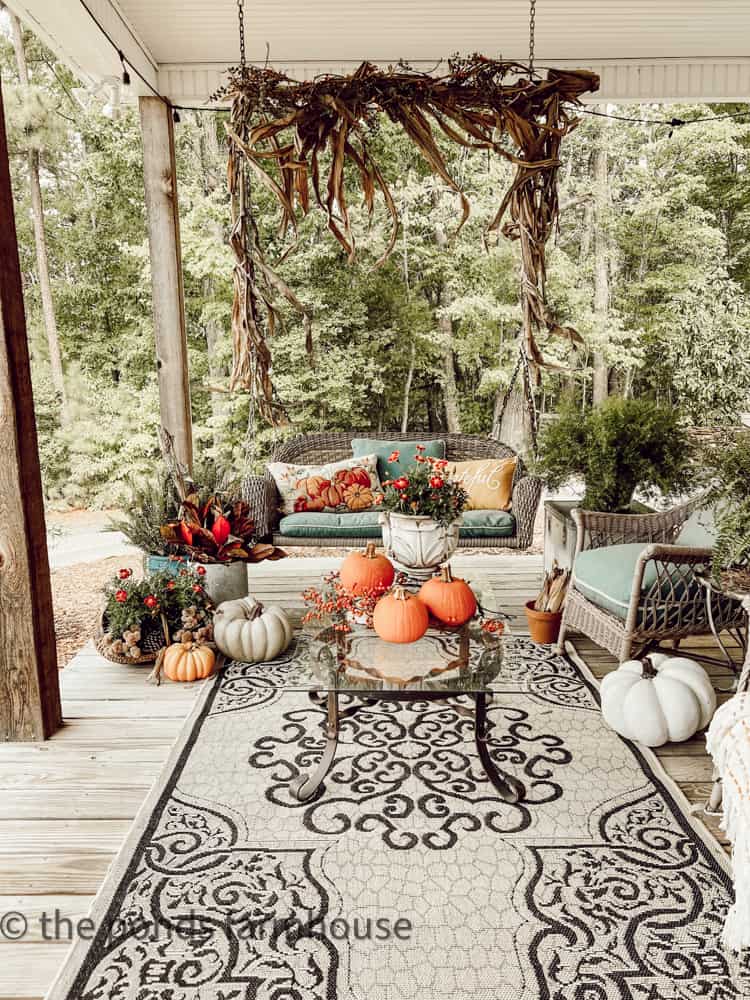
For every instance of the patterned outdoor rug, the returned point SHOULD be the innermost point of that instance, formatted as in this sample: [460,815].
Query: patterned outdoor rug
[406,877]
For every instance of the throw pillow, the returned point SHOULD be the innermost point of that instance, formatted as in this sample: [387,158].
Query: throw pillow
[407,451]
[488,481]
[349,485]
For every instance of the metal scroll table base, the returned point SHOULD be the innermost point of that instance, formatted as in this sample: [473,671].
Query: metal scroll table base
[509,789]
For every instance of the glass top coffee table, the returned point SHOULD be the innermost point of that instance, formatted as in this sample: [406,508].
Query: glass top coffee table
[446,663]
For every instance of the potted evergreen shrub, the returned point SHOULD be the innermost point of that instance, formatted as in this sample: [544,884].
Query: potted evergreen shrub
[421,515]
[616,448]
[728,467]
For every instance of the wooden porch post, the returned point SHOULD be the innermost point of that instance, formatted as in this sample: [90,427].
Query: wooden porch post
[160,179]
[29,683]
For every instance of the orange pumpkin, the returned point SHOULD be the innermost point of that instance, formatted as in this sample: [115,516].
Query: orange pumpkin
[450,600]
[187,661]
[366,571]
[400,617]
[353,477]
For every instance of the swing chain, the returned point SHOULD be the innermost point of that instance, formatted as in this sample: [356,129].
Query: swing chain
[241,17]
[532,29]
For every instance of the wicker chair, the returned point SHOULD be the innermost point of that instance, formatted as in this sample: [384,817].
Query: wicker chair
[311,449]
[671,607]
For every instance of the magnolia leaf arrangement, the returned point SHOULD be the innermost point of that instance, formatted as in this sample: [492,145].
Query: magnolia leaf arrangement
[298,139]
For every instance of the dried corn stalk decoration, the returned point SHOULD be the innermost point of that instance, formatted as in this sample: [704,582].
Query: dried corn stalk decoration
[297,139]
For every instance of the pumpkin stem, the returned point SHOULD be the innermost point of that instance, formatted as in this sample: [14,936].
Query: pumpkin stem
[400,594]
[648,669]
[445,573]
[255,609]
[370,550]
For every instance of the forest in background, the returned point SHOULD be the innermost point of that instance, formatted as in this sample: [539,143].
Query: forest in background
[651,265]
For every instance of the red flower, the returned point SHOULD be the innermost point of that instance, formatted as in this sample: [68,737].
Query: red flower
[420,447]
[437,482]
[394,456]
[419,458]
[151,602]
[121,596]
[404,496]
[442,463]
[124,573]
[171,584]
[197,588]
[200,570]
[401,483]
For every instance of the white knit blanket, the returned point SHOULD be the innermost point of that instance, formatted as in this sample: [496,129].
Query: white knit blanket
[728,742]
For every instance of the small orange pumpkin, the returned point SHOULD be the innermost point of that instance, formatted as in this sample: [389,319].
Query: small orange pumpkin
[450,600]
[400,617]
[187,661]
[366,571]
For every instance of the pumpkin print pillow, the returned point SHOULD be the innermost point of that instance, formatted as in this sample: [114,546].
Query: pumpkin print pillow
[351,485]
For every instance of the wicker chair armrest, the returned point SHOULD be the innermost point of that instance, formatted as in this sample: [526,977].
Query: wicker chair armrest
[596,528]
[688,555]
[260,493]
[674,565]
[527,493]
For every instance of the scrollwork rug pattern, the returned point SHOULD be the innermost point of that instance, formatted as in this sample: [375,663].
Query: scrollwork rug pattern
[405,877]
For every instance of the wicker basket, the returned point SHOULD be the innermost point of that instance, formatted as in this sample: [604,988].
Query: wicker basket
[151,645]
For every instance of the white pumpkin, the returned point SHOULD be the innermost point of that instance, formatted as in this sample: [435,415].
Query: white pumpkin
[246,631]
[660,699]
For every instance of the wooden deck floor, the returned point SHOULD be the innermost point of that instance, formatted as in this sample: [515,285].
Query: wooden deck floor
[66,805]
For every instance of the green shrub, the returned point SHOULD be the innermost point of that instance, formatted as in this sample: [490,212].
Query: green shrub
[617,447]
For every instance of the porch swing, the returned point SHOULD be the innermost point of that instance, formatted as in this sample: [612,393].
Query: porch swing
[279,128]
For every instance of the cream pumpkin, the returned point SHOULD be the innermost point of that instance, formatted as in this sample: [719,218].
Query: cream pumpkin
[660,699]
[244,630]
[187,661]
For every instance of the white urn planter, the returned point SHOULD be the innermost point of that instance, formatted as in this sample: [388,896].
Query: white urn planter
[418,545]
[226,581]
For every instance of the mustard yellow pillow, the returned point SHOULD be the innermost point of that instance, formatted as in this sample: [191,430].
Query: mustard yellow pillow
[488,481]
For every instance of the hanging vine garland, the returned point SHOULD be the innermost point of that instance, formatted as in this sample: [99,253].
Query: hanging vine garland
[281,129]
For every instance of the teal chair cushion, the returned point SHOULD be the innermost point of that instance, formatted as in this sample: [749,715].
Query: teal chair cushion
[605,577]
[476,524]
[699,531]
[406,449]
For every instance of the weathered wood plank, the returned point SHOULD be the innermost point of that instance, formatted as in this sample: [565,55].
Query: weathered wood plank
[34,910]
[61,871]
[29,692]
[160,178]
[73,801]
[28,969]
[48,836]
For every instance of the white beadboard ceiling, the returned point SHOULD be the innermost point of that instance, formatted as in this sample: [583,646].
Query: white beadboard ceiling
[190,31]
[642,49]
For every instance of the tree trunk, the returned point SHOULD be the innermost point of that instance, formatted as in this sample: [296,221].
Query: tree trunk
[445,329]
[515,427]
[40,241]
[214,331]
[601,264]
[407,388]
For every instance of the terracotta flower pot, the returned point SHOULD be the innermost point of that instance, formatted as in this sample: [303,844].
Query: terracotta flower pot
[544,626]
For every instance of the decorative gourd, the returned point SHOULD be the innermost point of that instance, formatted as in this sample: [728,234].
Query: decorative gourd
[244,630]
[366,571]
[400,617]
[187,661]
[657,700]
[448,599]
